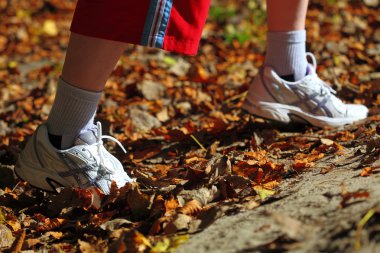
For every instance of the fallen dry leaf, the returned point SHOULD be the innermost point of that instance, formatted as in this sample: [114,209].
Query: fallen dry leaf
[348,196]
[6,237]
[366,171]
[191,208]
[18,242]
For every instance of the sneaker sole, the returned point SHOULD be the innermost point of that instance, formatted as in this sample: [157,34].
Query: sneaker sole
[287,114]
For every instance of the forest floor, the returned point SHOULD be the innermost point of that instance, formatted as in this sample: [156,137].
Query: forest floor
[210,177]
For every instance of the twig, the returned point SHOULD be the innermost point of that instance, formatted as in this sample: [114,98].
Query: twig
[200,144]
[14,188]
[238,96]
[361,225]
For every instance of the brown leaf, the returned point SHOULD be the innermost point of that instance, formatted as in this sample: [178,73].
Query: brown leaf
[29,243]
[250,203]
[115,224]
[6,237]
[86,247]
[158,207]
[118,246]
[344,136]
[327,142]
[236,186]
[179,223]
[158,225]
[100,218]
[217,167]
[90,198]
[191,208]
[15,224]
[55,235]
[202,195]
[271,185]
[144,153]
[138,202]
[116,193]
[299,166]
[51,224]
[348,196]
[17,244]
[130,241]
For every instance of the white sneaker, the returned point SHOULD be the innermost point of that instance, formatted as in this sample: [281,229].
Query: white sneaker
[309,99]
[86,164]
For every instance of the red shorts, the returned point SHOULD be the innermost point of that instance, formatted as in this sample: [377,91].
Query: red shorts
[173,25]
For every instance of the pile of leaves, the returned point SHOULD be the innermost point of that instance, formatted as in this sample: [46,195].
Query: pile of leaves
[195,154]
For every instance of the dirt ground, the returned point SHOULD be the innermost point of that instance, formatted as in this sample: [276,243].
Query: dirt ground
[305,216]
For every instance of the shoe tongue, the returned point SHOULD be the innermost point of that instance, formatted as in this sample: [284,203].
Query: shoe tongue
[89,137]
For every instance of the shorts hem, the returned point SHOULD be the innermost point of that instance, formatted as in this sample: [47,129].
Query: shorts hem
[170,43]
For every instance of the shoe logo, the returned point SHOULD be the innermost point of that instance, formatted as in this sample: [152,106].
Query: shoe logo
[313,98]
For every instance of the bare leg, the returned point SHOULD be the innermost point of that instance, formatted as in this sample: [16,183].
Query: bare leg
[286,15]
[88,64]
[70,126]
[286,39]
[89,61]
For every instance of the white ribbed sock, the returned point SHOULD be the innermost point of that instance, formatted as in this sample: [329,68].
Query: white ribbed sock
[286,53]
[73,111]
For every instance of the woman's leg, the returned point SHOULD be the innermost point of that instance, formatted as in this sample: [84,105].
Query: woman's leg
[286,15]
[174,26]
[88,64]
[70,127]
[89,61]
[286,39]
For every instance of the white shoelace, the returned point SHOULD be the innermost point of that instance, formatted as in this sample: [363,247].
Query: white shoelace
[324,87]
[99,144]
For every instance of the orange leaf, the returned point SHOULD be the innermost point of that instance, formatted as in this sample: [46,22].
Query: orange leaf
[260,175]
[55,235]
[30,243]
[271,185]
[366,171]
[51,224]
[17,244]
[191,208]
[16,226]
[171,204]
